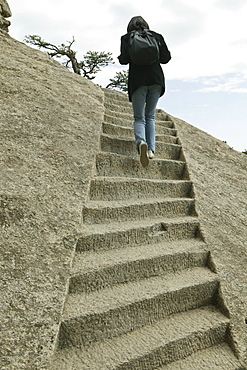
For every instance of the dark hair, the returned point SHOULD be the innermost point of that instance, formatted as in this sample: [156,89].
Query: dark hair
[137,22]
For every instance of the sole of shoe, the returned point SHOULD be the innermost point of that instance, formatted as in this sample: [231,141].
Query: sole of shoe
[143,148]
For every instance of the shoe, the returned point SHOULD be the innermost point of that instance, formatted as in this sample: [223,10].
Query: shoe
[150,154]
[143,151]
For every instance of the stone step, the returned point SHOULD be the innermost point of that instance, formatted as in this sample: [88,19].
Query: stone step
[125,146]
[120,309]
[168,340]
[162,133]
[96,270]
[126,119]
[117,100]
[219,357]
[118,188]
[160,121]
[130,233]
[166,139]
[127,210]
[125,116]
[163,116]
[126,107]
[117,96]
[116,130]
[110,164]
[114,119]
[117,106]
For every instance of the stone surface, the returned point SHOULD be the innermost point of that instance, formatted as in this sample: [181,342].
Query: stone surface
[5,12]
[150,346]
[219,174]
[50,127]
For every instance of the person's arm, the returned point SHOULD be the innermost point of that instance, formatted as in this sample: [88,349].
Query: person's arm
[165,55]
[124,57]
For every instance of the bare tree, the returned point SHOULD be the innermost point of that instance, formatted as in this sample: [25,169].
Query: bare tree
[91,64]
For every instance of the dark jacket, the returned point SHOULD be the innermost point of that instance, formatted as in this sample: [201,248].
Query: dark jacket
[144,75]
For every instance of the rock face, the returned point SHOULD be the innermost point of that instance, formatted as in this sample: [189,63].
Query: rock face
[5,12]
[51,123]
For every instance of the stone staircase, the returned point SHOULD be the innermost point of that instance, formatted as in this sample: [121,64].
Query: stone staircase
[141,294]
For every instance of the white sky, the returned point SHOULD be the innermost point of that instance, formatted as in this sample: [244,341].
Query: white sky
[207,76]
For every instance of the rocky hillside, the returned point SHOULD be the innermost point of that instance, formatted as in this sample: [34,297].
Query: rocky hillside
[50,131]
[50,126]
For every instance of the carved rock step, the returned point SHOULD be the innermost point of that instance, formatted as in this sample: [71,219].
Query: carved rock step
[117,188]
[109,164]
[118,106]
[126,107]
[110,211]
[160,115]
[126,116]
[219,357]
[168,340]
[163,134]
[126,119]
[166,138]
[115,96]
[113,311]
[130,233]
[125,146]
[96,270]
[117,99]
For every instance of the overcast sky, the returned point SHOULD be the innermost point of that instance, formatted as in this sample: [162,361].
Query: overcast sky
[207,76]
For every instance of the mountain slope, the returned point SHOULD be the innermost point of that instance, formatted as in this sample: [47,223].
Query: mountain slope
[51,124]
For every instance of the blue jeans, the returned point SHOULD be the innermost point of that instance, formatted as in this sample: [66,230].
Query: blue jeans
[144,102]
